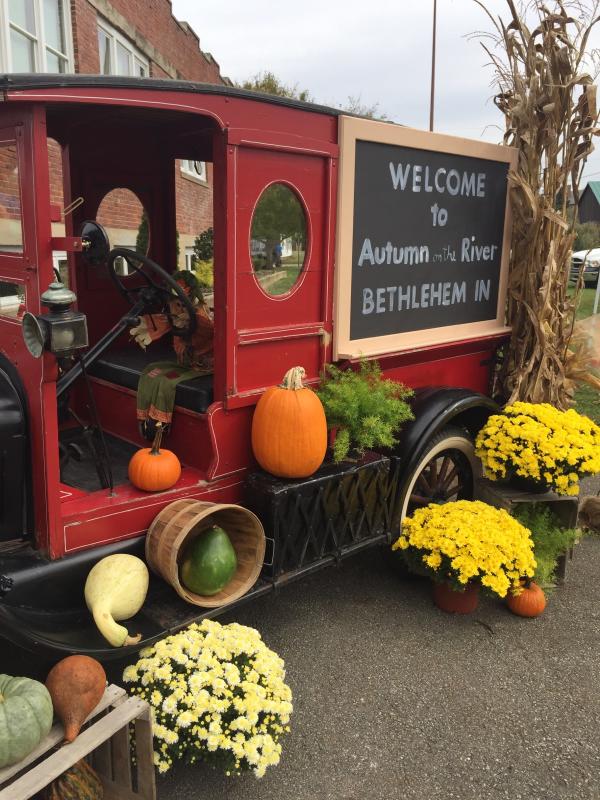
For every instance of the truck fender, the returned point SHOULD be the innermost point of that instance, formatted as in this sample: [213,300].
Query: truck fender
[15,488]
[462,411]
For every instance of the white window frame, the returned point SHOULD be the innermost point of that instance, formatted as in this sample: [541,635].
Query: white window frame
[189,257]
[58,257]
[39,39]
[195,170]
[136,57]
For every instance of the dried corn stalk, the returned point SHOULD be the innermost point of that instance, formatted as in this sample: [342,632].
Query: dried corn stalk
[549,105]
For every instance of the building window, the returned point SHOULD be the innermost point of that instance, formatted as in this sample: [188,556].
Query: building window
[12,300]
[194,169]
[118,56]
[35,36]
[60,266]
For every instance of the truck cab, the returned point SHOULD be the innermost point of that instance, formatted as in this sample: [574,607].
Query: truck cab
[316,295]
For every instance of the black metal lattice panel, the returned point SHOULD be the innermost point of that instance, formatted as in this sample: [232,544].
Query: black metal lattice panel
[323,516]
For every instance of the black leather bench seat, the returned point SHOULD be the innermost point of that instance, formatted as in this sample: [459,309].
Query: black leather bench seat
[125,366]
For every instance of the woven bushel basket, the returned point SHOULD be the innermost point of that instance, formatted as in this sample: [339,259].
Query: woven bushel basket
[184,520]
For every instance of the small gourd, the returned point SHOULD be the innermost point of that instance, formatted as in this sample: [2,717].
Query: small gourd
[80,782]
[154,469]
[25,717]
[289,429]
[115,590]
[76,685]
[529,603]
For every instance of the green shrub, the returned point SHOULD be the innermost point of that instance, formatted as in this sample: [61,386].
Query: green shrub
[587,236]
[204,245]
[364,408]
[204,271]
[550,539]
[142,240]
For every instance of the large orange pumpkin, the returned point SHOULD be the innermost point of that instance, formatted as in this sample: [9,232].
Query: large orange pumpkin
[289,430]
[529,603]
[153,469]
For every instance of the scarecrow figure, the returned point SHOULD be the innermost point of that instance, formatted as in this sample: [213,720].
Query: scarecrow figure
[192,354]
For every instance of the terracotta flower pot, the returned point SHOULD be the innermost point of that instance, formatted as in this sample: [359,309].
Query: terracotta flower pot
[454,602]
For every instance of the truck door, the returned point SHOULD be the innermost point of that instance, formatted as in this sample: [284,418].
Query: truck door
[278,292]
[28,428]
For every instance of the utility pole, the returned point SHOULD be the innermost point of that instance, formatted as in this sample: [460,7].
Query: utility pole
[431,102]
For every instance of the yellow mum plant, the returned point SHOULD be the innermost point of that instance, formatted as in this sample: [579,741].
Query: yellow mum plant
[217,694]
[468,541]
[536,441]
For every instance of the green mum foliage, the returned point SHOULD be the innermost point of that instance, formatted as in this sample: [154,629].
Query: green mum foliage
[550,540]
[365,409]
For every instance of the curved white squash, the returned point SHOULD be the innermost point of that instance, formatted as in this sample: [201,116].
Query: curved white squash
[116,589]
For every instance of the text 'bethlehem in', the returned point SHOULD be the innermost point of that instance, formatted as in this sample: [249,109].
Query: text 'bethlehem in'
[401,298]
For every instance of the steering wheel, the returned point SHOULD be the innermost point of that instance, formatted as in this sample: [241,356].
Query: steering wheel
[157,290]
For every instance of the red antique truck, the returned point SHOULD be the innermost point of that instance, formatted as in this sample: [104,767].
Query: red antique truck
[400,245]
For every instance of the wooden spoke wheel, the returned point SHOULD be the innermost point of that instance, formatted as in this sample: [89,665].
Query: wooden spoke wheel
[446,471]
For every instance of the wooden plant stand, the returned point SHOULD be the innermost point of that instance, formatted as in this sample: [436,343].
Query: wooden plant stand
[104,739]
[565,508]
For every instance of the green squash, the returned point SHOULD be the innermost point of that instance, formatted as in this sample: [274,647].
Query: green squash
[209,562]
[25,717]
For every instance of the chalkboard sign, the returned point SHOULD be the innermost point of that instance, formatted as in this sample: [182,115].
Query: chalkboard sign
[426,242]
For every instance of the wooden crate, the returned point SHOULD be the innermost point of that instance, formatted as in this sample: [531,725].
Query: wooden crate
[565,508]
[104,741]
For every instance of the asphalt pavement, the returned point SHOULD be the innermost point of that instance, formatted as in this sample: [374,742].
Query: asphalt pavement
[396,700]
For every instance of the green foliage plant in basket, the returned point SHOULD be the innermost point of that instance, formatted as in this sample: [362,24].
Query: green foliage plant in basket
[217,694]
[467,542]
[537,442]
[364,408]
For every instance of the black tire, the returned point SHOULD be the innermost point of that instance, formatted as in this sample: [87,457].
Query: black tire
[446,471]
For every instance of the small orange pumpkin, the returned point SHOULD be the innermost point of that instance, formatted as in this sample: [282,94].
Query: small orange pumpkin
[289,430]
[153,469]
[529,603]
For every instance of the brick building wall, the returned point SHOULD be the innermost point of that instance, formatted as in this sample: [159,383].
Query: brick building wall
[10,207]
[55,162]
[194,207]
[171,47]
[10,200]
[172,50]
[120,208]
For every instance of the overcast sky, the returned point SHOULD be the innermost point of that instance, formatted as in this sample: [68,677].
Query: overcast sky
[378,50]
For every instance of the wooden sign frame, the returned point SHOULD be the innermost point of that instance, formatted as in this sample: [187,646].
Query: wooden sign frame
[350,131]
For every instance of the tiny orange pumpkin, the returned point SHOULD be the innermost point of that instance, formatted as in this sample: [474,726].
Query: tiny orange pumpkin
[528,603]
[289,430]
[153,469]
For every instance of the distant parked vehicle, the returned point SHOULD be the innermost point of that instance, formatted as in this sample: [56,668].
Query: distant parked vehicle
[590,261]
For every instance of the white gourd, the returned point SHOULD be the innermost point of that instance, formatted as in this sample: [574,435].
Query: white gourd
[115,589]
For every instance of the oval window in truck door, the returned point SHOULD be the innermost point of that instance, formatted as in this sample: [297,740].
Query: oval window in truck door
[278,239]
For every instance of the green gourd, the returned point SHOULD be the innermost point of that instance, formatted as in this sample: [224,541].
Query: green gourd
[25,717]
[209,562]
